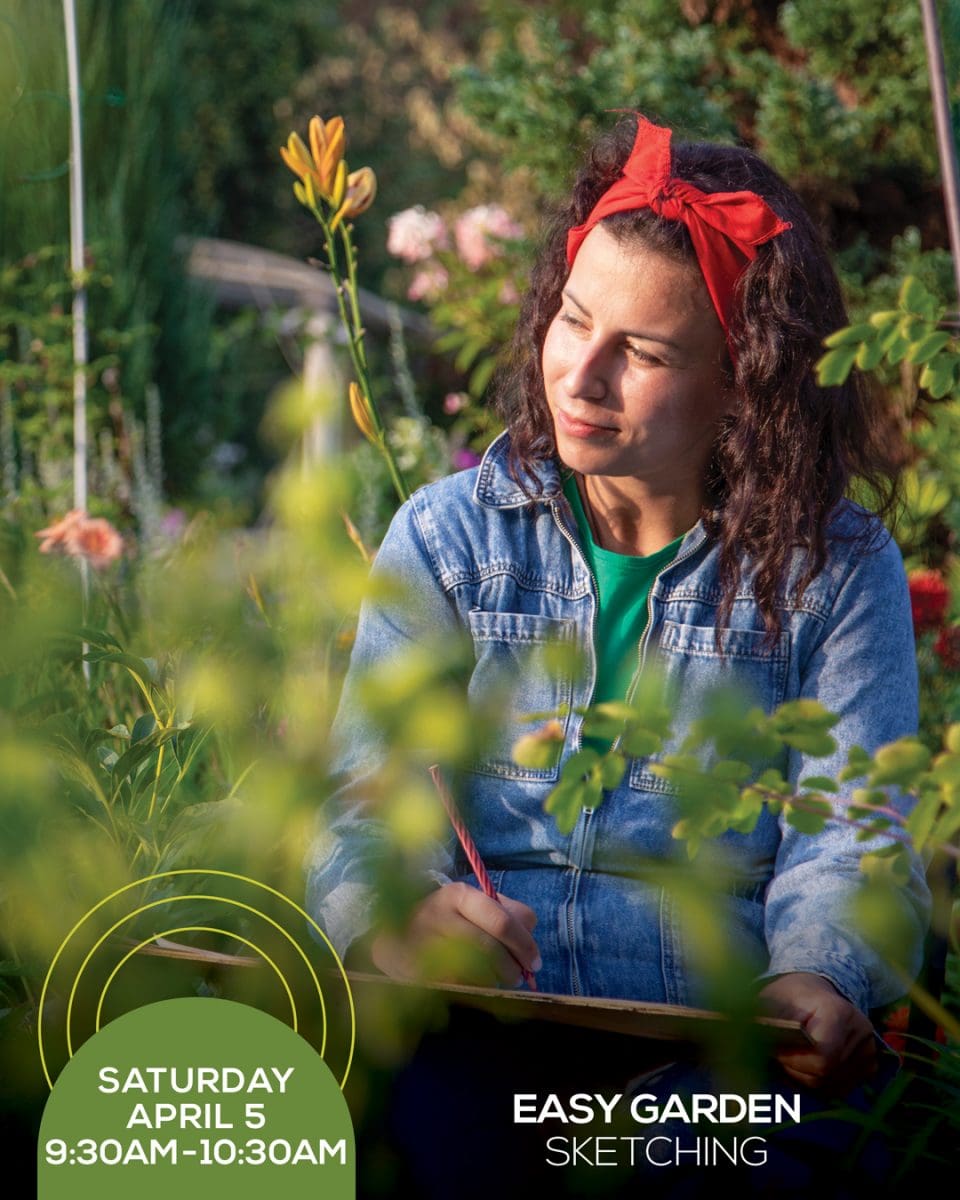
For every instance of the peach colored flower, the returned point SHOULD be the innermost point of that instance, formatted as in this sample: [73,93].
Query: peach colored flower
[55,535]
[80,536]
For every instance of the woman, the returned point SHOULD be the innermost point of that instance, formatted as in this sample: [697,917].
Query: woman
[671,486]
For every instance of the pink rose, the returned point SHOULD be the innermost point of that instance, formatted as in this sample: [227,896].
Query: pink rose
[475,228]
[428,284]
[415,234]
[453,402]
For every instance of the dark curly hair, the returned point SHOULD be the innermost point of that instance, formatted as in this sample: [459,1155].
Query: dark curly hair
[791,450]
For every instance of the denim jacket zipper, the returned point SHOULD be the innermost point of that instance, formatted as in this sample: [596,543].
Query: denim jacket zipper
[645,636]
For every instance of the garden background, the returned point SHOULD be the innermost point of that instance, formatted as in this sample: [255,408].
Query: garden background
[164,693]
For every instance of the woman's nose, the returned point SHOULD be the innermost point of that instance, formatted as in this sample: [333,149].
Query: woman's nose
[586,377]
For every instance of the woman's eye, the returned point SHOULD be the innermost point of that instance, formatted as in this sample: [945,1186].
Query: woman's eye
[641,355]
[571,320]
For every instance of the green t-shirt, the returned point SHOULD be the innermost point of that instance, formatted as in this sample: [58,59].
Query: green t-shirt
[623,583]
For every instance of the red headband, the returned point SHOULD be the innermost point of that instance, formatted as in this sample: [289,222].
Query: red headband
[743,218]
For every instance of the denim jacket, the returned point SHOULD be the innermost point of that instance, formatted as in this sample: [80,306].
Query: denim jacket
[478,555]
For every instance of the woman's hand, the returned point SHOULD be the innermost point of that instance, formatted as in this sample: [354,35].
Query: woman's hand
[843,1054]
[457,910]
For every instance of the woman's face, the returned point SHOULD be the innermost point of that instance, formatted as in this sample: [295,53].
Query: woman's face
[632,366]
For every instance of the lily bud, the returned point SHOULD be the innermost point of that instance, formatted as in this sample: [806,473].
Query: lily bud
[361,189]
[361,412]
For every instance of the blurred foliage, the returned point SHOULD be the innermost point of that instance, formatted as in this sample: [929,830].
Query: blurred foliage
[136,165]
[188,738]
[36,398]
[913,345]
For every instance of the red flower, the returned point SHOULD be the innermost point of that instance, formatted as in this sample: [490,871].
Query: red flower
[929,597]
[947,647]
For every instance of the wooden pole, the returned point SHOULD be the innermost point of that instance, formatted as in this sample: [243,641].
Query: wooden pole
[79,291]
[946,142]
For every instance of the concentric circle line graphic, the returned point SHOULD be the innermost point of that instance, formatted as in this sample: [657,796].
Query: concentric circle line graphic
[205,872]
[196,929]
[180,899]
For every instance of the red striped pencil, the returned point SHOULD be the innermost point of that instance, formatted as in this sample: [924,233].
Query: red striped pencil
[471,851]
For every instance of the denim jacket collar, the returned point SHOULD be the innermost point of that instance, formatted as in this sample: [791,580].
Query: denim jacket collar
[496,488]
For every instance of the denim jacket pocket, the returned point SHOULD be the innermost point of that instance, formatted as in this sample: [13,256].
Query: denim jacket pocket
[513,678]
[693,669]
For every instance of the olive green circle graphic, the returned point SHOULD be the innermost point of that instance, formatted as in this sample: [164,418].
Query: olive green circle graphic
[77,933]
[190,1097]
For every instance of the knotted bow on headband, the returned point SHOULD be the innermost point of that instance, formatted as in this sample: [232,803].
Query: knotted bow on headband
[725,227]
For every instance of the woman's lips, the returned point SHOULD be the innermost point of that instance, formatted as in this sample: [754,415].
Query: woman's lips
[574,427]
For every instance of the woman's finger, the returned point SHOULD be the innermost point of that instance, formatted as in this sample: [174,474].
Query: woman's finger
[502,924]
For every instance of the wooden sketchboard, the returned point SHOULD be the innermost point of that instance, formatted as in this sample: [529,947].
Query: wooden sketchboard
[658,1022]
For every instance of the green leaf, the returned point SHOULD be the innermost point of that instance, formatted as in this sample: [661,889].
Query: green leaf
[773,781]
[946,769]
[565,802]
[537,752]
[869,355]
[915,298]
[895,346]
[924,495]
[888,863]
[731,771]
[480,375]
[107,757]
[640,743]
[885,319]
[804,712]
[580,764]
[822,783]
[97,637]
[143,727]
[927,347]
[858,763]
[852,335]
[468,353]
[947,826]
[611,770]
[921,820]
[952,738]
[140,667]
[131,760]
[834,367]
[806,821]
[900,763]
[937,376]
[817,745]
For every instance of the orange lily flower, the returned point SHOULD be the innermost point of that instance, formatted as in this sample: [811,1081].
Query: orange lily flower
[319,166]
[297,157]
[327,143]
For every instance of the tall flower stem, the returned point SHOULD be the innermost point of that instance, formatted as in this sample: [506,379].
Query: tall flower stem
[352,291]
[353,326]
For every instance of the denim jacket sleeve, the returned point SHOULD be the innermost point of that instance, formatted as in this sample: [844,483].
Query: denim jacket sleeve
[863,669]
[351,837]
